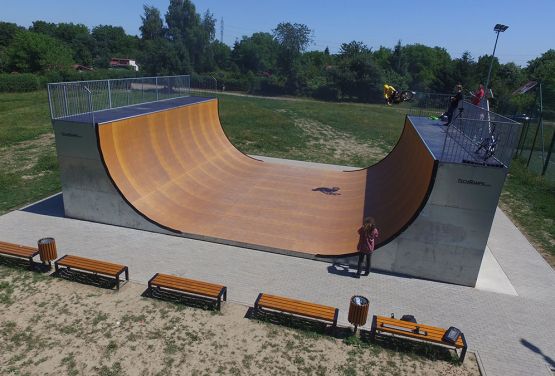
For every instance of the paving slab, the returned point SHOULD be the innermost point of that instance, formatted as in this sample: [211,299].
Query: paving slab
[513,334]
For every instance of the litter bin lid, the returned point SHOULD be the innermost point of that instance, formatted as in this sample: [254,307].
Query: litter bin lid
[359,300]
[46,240]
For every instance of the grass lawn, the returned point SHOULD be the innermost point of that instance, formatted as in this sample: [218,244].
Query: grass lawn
[344,134]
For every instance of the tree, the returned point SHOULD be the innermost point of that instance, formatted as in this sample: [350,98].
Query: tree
[352,49]
[112,41]
[32,52]
[257,53]
[293,39]
[7,34]
[183,28]
[357,74]
[222,55]
[152,27]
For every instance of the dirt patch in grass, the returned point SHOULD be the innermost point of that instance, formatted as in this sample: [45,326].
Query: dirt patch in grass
[23,156]
[340,145]
[51,326]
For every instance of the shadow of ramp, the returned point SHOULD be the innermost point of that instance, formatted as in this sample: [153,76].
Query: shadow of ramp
[87,278]
[305,325]
[52,206]
[180,298]
[410,347]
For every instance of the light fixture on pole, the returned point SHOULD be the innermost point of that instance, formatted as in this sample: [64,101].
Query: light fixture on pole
[499,28]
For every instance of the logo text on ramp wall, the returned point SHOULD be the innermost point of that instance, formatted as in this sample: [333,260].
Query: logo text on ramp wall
[473,182]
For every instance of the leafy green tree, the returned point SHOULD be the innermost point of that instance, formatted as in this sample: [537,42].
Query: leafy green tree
[222,55]
[152,27]
[112,41]
[257,53]
[542,69]
[31,52]
[183,28]
[293,40]
[7,34]
[352,49]
[358,75]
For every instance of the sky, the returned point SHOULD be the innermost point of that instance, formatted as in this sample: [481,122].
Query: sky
[457,26]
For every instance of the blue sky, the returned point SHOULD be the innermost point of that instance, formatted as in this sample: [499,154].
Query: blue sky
[458,26]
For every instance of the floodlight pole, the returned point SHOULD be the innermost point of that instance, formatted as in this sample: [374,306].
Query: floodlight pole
[498,30]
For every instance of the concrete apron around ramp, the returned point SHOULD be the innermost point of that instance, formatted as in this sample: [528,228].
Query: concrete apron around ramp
[512,334]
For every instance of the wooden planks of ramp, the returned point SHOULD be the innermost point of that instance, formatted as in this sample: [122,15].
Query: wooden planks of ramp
[178,169]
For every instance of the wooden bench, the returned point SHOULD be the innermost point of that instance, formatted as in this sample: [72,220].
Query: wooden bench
[425,333]
[94,266]
[190,286]
[297,307]
[20,251]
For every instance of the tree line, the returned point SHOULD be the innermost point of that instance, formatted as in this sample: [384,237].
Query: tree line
[274,62]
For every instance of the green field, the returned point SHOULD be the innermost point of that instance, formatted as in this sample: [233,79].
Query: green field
[344,134]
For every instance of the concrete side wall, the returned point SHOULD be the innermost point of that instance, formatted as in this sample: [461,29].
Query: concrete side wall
[448,239]
[88,192]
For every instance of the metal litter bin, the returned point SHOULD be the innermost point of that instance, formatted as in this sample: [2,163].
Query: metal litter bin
[47,250]
[358,311]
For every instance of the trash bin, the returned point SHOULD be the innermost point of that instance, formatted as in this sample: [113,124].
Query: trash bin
[358,311]
[47,250]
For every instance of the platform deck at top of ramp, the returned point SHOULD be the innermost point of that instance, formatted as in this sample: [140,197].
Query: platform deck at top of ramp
[177,168]
[125,112]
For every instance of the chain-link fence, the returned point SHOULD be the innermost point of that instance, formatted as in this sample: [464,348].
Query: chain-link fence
[536,147]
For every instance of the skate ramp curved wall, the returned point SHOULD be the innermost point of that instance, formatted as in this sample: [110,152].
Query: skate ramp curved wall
[177,169]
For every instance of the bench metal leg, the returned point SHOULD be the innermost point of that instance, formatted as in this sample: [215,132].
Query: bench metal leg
[256,301]
[373,328]
[126,273]
[31,264]
[222,295]
[463,352]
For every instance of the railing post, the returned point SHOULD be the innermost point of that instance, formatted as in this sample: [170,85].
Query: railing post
[546,164]
[50,102]
[65,100]
[91,110]
[156,86]
[109,95]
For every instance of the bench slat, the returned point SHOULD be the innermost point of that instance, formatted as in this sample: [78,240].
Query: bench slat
[395,326]
[458,344]
[279,300]
[411,325]
[321,311]
[169,279]
[189,288]
[17,250]
[297,307]
[186,285]
[84,260]
[91,265]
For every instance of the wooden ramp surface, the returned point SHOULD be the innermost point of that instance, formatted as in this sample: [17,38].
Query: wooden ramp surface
[178,169]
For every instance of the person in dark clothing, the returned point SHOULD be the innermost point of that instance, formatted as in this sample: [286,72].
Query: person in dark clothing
[368,234]
[453,104]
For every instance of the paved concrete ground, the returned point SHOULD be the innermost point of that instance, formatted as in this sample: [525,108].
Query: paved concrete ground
[512,334]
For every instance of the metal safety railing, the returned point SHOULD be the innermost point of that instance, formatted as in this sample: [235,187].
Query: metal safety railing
[68,99]
[477,135]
